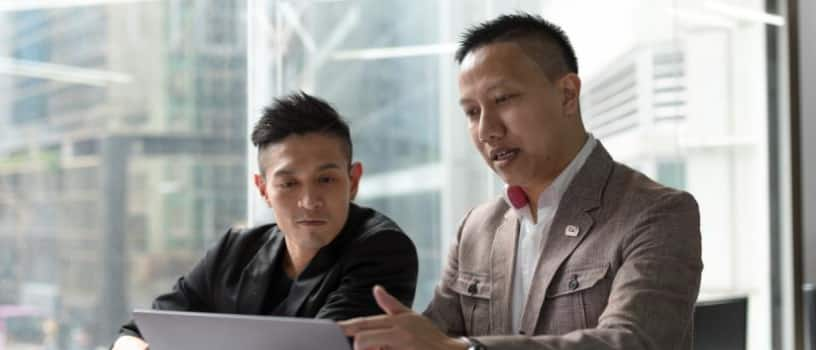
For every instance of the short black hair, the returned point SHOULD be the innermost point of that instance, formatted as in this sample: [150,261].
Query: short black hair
[298,114]
[519,27]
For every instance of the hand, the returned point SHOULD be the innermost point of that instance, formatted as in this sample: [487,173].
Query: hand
[399,328]
[127,342]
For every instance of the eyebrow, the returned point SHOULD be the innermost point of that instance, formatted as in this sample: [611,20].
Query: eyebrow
[289,172]
[493,85]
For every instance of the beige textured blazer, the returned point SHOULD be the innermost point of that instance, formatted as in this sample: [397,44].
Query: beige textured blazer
[627,280]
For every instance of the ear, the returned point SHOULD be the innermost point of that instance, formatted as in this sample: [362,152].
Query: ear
[571,91]
[355,173]
[260,184]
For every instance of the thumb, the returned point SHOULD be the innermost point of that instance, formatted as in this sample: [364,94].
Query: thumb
[388,303]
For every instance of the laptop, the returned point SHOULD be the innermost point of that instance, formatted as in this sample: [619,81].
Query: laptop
[176,330]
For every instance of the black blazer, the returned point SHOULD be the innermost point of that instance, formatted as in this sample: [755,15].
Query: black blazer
[234,276]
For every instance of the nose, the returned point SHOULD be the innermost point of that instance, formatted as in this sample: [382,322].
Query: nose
[490,126]
[311,198]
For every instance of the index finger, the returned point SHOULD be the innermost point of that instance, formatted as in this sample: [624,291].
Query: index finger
[356,325]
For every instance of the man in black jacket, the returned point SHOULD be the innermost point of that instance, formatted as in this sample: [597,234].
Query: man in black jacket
[323,255]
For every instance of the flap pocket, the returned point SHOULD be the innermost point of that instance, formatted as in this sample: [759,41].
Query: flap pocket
[576,280]
[472,285]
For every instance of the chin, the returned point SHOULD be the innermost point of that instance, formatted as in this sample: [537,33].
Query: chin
[508,179]
[515,175]
[318,241]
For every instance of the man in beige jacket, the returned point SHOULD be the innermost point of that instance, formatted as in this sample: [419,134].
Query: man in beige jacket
[581,252]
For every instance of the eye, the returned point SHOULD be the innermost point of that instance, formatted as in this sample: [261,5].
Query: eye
[504,98]
[286,184]
[471,112]
[326,179]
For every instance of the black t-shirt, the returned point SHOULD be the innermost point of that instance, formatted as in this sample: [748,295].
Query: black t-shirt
[278,290]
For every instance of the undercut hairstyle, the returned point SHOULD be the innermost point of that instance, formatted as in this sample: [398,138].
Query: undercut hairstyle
[545,42]
[298,114]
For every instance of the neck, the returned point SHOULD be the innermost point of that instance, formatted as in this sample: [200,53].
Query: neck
[296,259]
[534,190]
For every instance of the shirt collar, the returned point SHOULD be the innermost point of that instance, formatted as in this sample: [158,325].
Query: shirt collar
[552,195]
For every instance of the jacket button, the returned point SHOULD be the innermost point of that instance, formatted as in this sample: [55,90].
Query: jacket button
[573,283]
[473,288]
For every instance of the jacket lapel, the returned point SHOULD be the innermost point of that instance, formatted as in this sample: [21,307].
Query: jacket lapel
[582,196]
[254,281]
[502,258]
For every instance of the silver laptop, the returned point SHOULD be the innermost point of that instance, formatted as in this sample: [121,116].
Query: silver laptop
[175,330]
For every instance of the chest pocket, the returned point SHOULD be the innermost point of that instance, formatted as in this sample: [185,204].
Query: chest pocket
[576,280]
[474,296]
[575,299]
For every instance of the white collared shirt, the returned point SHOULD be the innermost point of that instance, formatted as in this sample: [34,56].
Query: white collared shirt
[532,235]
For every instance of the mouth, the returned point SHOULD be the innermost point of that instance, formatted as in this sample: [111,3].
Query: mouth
[503,155]
[312,222]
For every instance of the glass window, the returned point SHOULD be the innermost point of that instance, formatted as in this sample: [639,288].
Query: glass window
[676,89]
[672,173]
[122,157]
[123,147]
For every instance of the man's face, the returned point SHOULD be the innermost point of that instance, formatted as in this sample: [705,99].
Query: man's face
[309,185]
[520,121]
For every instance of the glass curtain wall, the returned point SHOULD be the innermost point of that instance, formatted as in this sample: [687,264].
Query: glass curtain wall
[124,151]
[674,88]
[122,156]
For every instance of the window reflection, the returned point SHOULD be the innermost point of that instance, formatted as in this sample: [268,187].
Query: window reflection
[676,89]
[122,157]
[123,147]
